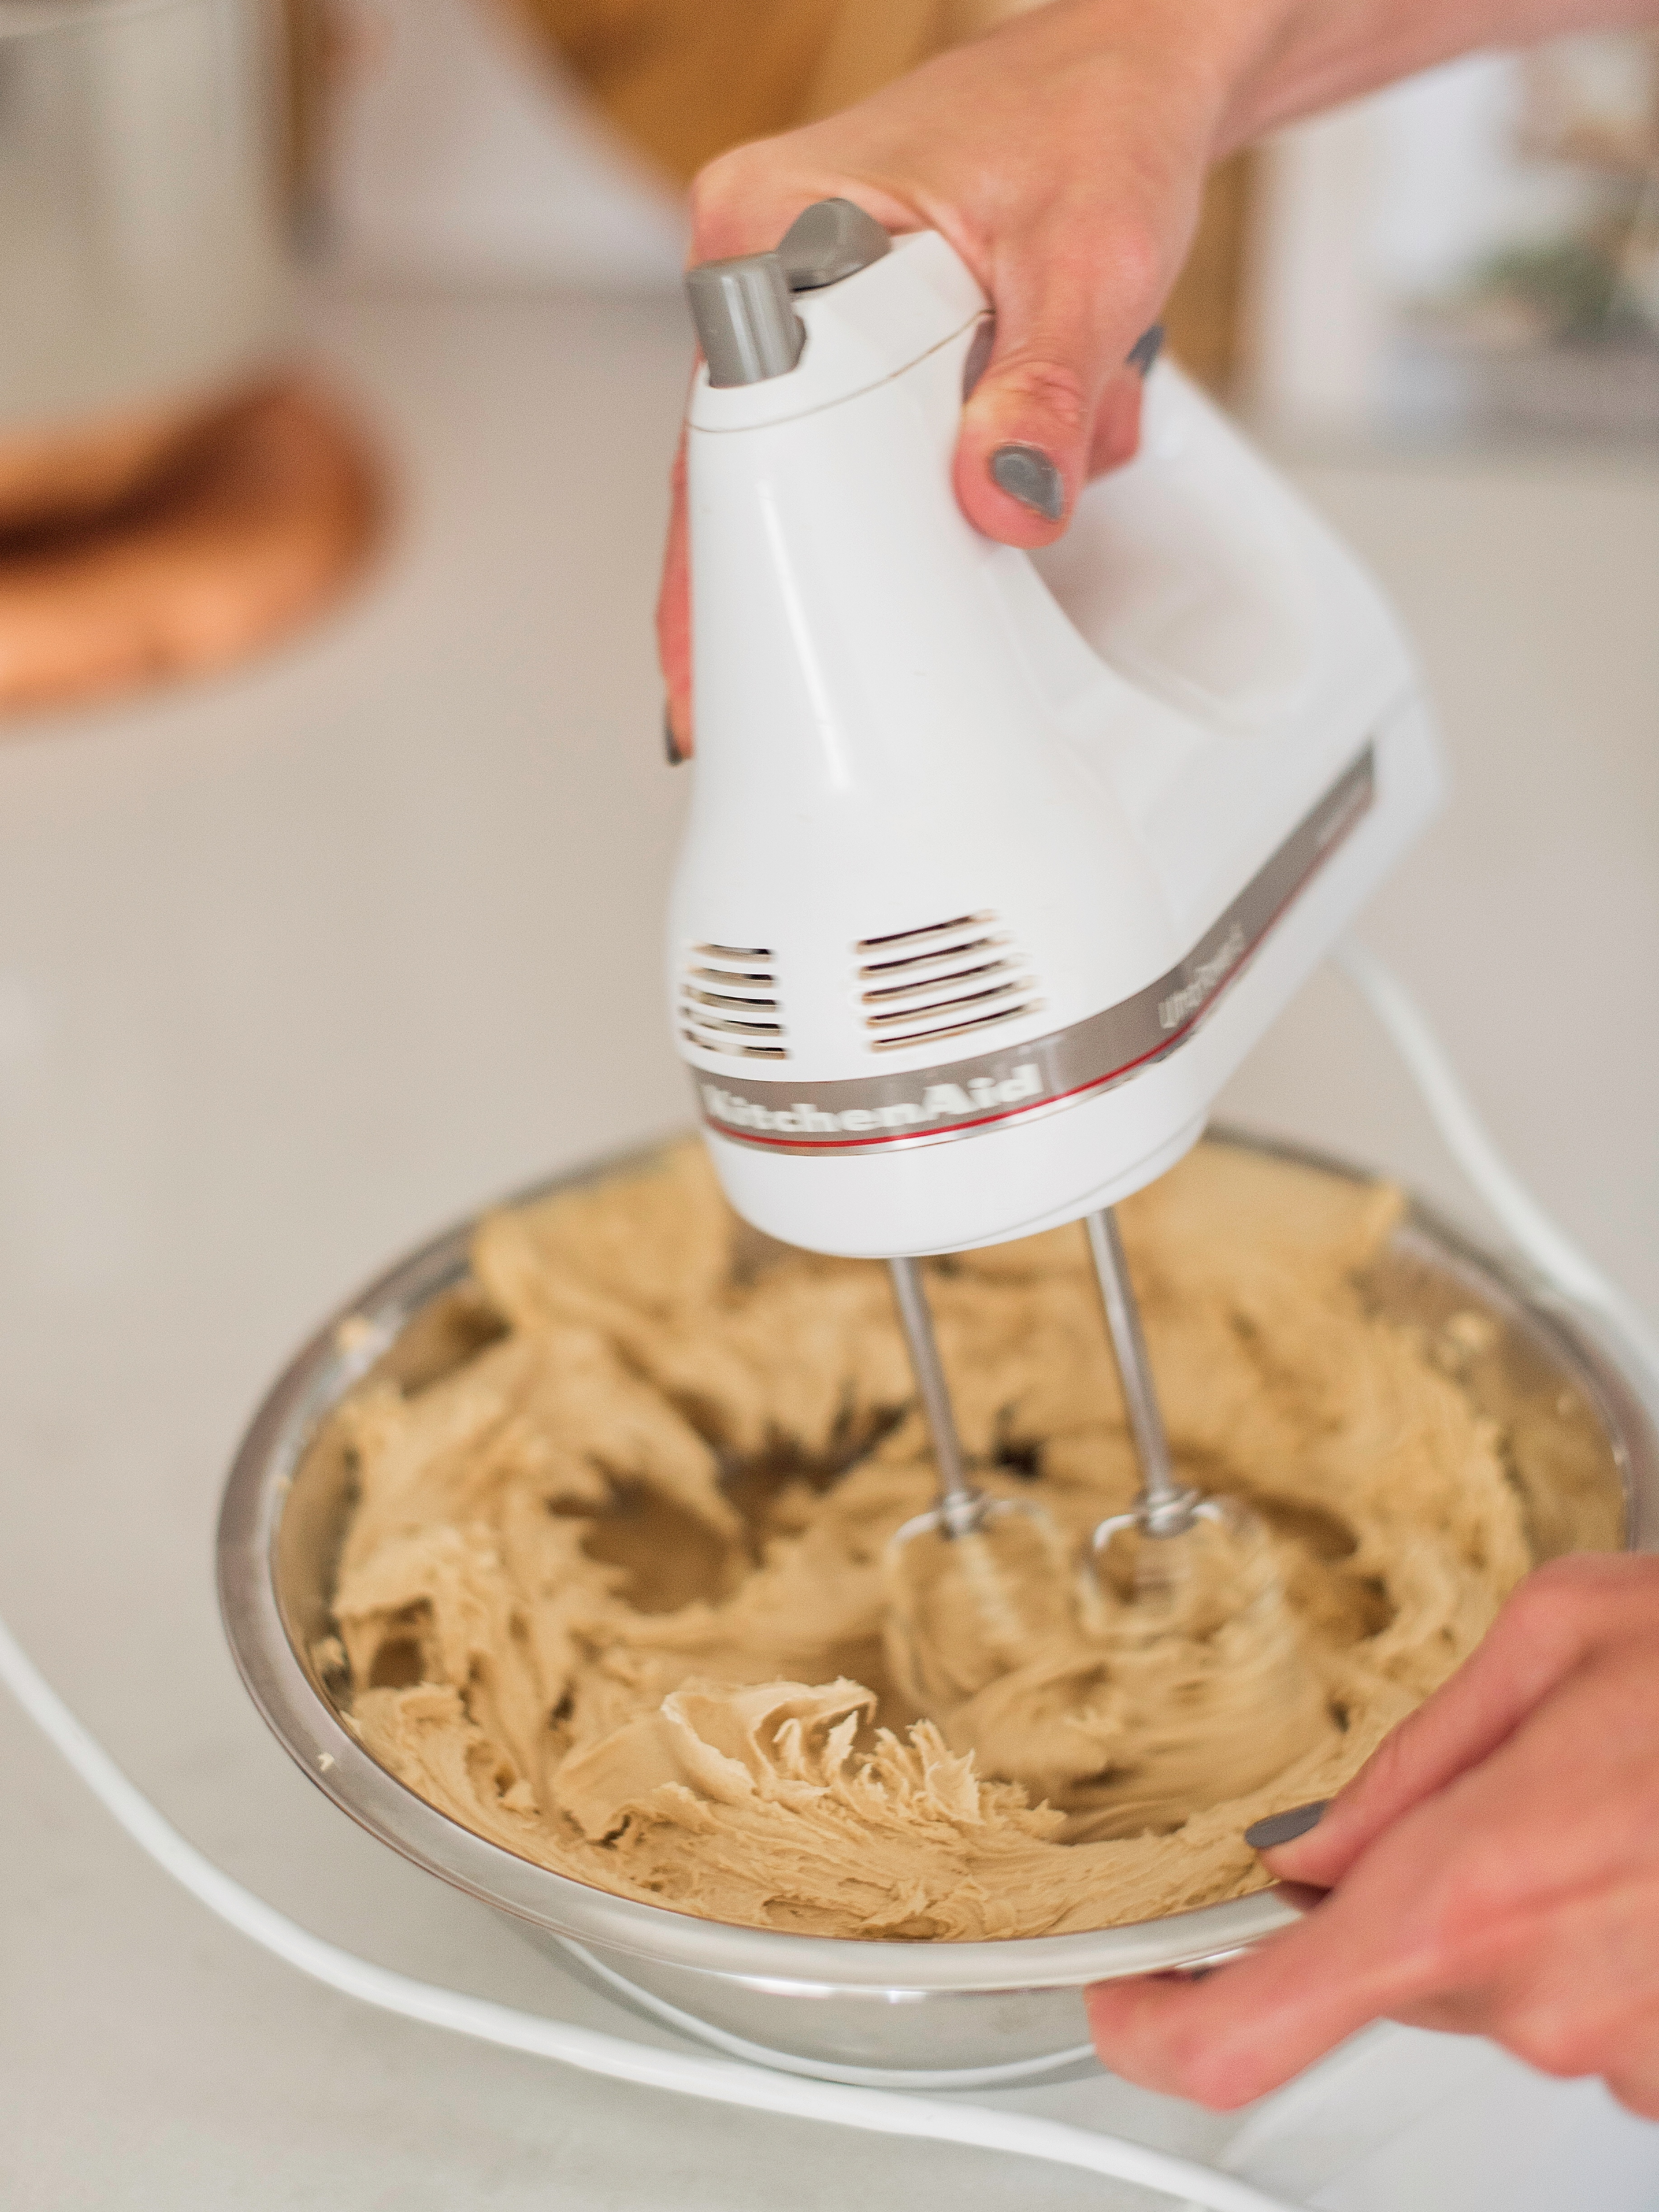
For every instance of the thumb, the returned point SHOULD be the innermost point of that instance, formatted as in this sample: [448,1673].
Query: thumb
[1059,399]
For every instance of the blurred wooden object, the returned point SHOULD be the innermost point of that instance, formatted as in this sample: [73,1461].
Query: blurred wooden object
[1205,314]
[74,473]
[263,518]
[683,79]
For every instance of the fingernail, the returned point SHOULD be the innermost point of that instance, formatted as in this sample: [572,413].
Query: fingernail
[1145,349]
[1028,475]
[670,742]
[1285,1827]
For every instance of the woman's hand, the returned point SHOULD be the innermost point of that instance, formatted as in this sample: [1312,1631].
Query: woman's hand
[1063,157]
[1494,1870]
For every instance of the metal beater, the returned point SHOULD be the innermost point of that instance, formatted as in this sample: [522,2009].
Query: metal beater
[977,1581]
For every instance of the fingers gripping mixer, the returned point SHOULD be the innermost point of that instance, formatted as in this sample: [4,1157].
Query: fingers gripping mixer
[997,864]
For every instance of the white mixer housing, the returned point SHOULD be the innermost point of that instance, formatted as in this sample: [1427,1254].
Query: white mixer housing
[999,864]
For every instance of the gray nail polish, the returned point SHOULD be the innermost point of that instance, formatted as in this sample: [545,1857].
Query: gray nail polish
[1145,349]
[1285,1827]
[670,742]
[1027,474]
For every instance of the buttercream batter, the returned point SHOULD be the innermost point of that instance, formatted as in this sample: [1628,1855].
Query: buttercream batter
[613,1593]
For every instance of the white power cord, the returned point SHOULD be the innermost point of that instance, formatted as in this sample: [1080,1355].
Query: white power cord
[880,2112]
[1549,1249]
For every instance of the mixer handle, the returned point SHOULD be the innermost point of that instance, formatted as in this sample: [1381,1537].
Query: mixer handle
[1184,572]
[743,307]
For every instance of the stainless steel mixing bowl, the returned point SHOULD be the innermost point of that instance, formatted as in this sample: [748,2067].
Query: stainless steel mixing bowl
[1580,1443]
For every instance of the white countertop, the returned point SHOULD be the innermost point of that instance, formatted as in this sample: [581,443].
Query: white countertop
[298,966]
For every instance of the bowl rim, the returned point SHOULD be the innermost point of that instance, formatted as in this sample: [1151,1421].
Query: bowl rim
[359,1332]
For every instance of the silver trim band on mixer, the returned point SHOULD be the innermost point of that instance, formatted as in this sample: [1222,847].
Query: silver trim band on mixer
[962,1098]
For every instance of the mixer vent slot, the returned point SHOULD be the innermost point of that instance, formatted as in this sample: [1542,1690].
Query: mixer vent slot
[729,1002]
[952,979]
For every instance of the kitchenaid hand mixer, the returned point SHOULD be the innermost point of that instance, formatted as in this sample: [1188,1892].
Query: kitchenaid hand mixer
[997,863]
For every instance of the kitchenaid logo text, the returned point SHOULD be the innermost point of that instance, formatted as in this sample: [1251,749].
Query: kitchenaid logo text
[940,1101]
[1180,1006]
[968,1098]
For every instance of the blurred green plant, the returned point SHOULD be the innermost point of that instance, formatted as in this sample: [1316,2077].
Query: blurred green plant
[1571,284]
[1576,289]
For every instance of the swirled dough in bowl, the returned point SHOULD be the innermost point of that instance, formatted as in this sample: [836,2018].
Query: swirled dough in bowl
[611,1592]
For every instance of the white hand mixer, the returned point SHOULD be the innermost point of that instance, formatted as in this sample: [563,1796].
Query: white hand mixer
[997,863]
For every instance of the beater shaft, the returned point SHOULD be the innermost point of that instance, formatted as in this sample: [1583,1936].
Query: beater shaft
[1164,1508]
[961,1506]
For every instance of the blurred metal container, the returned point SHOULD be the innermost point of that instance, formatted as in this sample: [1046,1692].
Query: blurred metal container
[146,263]
[1580,1445]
